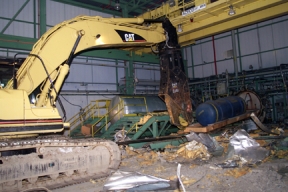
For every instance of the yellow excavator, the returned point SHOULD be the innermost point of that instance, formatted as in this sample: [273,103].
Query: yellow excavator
[33,152]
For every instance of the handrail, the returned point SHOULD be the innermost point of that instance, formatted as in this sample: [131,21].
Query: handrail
[121,105]
[90,111]
[94,111]
[106,118]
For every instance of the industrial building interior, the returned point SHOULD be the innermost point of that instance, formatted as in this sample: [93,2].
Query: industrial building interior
[117,95]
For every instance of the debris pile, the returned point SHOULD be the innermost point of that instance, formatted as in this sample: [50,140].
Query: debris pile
[193,150]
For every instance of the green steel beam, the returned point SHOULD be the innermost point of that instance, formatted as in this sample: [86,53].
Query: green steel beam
[134,5]
[83,5]
[25,43]
[13,18]
[16,42]
[129,76]
[42,13]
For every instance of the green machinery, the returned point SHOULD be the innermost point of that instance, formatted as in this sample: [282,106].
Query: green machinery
[126,119]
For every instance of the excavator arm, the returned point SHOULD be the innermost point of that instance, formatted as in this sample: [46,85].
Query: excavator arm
[48,64]
[56,47]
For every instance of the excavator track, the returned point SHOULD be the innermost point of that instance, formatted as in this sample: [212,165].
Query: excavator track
[54,162]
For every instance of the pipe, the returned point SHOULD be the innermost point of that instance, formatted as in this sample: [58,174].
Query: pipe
[111,65]
[246,76]
[234,54]
[214,53]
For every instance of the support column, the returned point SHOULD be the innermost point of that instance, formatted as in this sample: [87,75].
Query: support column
[155,129]
[129,77]
[42,17]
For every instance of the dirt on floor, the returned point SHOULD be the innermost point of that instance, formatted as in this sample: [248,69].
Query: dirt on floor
[199,170]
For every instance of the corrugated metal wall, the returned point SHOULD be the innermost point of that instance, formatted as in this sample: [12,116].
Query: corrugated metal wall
[257,46]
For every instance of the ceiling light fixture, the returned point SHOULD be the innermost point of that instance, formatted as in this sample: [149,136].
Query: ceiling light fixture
[117,5]
[231,11]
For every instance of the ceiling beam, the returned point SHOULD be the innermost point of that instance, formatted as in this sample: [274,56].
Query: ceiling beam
[132,6]
[247,15]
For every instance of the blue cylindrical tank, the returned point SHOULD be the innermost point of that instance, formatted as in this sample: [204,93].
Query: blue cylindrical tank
[220,109]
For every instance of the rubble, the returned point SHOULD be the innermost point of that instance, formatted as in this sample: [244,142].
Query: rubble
[202,170]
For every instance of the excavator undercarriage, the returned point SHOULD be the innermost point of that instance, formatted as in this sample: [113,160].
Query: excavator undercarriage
[55,161]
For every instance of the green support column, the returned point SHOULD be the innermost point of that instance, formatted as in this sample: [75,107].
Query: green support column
[239,50]
[42,14]
[192,61]
[155,129]
[273,108]
[130,75]
[184,62]
[125,11]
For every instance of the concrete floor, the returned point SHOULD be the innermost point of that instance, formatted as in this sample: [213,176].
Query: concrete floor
[200,175]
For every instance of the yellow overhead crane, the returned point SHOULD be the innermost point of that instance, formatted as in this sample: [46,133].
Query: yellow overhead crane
[197,19]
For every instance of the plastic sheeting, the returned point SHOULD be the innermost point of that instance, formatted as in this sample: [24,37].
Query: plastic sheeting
[134,181]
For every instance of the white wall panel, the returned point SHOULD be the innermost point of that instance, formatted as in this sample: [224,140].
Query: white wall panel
[208,70]
[73,11]
[55,12]
[250,60]
[104,74]
[222,46]
[282,56]
[20,29]
[80,73]
[198,71]
[266,38]
[268,59]
[27,14]
[197,54]
[248,42]
[8,8]
[228,65]
[207,52]
[59,12]
[280,31]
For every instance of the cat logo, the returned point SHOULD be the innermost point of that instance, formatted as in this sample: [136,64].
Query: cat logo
[129,37]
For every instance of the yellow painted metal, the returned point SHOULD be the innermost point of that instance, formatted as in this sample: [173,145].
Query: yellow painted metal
[18,136]
[209,23]
[18,99]
[42,97]
[98,33]
[214,18]
[63,71]
[166,11]
[25,133]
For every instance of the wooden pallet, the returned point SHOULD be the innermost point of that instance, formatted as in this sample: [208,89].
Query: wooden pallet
[196,127]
